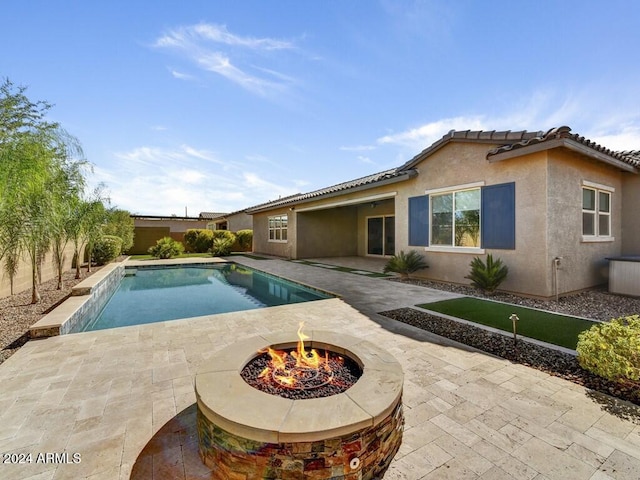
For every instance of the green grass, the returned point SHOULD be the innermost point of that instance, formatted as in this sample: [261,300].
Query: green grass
[552,328]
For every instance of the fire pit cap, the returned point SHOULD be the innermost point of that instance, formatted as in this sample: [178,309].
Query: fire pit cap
[229,402]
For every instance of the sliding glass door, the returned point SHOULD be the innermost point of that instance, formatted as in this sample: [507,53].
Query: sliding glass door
[381,238]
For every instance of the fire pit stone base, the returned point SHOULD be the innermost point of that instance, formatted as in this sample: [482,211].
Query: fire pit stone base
[362,455]
[245,433]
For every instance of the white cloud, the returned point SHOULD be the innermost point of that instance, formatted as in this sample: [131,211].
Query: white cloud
[358,148]
[214,49]
[220,34]
[608,126]
[627,137]
[163,181]
[364,159]
[422,136]
[181,76]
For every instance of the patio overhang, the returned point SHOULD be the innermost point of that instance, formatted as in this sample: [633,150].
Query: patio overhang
[347,202]
[312,197]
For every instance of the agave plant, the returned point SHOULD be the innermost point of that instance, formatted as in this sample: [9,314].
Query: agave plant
[405,263]
[487,276]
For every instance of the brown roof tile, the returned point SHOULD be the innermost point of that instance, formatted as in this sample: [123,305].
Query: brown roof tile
[394,173]
[629,157]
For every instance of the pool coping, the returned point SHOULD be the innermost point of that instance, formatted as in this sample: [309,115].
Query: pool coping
[89,293]
[84,296]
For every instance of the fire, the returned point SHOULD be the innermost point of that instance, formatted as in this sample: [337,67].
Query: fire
[292,368]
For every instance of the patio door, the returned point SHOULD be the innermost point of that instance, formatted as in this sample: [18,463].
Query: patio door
[381,235]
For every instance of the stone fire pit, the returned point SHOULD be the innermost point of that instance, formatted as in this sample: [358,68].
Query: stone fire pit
[247,433]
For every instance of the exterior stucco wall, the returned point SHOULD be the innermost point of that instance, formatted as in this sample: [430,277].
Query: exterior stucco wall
[459,164]
[583,263]
[327,233]
[239,221]
[630,215]
[261,243]
[548,222]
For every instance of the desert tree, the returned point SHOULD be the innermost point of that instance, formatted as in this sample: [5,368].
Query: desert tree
[40,165]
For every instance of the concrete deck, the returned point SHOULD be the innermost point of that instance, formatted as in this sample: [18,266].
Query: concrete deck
[123,399]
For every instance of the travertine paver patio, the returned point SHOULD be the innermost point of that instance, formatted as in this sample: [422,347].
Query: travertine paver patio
[109,395]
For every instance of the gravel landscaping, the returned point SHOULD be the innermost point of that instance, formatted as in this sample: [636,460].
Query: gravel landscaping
[17,313]
[595,304]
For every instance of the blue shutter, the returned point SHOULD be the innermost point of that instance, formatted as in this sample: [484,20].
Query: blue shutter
[499,216]
[419,221]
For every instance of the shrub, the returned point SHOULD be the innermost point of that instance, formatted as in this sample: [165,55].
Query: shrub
[224,234]
[166,247]
[612,349]
[245,239]
[405,264]
[487,277]
[198,240]
[120,224]
[106,249]
[222,246]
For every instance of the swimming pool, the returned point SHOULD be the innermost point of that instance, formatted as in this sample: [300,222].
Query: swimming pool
[156,294]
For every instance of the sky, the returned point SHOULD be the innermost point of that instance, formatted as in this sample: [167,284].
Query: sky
[195,106]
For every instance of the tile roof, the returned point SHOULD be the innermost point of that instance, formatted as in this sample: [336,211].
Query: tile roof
[507,139]
[631,157]
[211,215]
[394,174]
[501,137]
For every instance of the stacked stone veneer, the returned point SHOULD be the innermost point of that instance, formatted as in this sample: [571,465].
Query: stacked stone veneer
[246,434]
[363,455]
[86,301]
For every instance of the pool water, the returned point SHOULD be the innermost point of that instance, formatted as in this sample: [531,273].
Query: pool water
[148,295]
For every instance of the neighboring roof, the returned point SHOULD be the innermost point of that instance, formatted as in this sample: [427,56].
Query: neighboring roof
[381,178]
[562,136]
[223,216]
[211,215]
[165,217]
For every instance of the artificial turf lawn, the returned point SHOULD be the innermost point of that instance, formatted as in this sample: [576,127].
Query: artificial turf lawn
[557,329]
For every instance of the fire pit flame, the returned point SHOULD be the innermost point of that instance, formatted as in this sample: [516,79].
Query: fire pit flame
[298,369]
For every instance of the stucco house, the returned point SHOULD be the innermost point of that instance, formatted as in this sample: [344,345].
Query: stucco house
[552,205]
[234,221]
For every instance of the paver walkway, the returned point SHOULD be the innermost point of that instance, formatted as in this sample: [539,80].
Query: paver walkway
[121,396]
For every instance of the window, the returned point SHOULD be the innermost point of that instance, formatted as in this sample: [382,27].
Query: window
[596,212]
[278,228]
[455,219]
[451,218]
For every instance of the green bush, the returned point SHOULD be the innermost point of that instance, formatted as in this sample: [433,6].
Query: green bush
[487,276]
[612,349]
[106,249]
[166,247]
[222,246]
[405,264]
[224,234]
[245,239]
[198,240]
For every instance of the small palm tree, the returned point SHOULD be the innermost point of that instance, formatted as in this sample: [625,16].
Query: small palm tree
[487,277]
[405,263]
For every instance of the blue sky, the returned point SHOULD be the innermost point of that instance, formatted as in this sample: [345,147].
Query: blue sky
[218,106]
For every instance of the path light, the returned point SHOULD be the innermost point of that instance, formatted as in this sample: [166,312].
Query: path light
[514,319]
